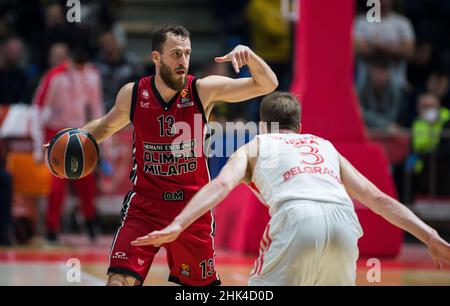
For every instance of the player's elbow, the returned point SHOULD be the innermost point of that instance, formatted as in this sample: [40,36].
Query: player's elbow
[272,85]
[268,86]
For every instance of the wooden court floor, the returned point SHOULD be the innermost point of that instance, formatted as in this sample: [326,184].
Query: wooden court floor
[40,264]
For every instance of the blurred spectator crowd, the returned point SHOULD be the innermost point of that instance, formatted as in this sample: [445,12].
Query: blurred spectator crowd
[402,78]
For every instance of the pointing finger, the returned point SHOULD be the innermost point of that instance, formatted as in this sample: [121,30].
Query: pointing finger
[221,59]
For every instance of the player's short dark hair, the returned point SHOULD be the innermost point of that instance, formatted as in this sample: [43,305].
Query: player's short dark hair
[159,34]
[281,107]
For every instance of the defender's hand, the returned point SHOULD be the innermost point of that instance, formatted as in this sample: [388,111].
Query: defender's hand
[239,57]
[157,238]
[439,250]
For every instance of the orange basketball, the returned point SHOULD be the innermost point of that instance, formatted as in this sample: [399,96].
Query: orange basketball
[72,154]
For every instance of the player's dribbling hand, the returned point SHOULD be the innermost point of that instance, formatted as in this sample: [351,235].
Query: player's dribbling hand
[239,57]
[39,153]
[157,238]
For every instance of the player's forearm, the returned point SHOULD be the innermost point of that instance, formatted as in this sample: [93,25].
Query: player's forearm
[261,73]
[399,215]
[203,201]
[97,129]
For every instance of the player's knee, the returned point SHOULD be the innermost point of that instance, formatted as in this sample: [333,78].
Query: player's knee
[120,280]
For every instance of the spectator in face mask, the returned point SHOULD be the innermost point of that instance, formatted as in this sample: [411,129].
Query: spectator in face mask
[426,139]
[427,127]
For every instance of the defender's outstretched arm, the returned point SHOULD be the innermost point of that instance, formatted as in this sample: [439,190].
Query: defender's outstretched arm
[361,189]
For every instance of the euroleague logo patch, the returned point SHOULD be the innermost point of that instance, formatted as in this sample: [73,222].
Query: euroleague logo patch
[185,99]
[185,93]
[185,270]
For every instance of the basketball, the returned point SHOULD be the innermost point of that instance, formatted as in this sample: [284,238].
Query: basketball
[72,154]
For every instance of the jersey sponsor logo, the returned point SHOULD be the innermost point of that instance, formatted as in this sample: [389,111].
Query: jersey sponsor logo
[182,105]
[171,170]
[169,147]
[174,196]
[168,159]
[310,170]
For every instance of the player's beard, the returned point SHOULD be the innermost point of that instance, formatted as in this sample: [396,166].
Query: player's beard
[170,78]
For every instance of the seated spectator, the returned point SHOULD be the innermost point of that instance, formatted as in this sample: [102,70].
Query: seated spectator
[394,35]
[115,66]
[381,101]
[426,137]
[438,84]
[57,29]
[420,66]
[427,127]
[14,86]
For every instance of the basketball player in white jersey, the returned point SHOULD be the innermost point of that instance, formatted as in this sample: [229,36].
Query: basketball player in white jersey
[312,236]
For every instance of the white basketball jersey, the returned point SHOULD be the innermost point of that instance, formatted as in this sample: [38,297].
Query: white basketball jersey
[298,167]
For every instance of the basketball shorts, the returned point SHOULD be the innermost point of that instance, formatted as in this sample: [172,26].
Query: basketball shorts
[190,258]
[308,243]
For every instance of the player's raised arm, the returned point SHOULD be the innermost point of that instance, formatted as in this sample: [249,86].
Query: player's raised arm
[219,88]
[115,119]
[235,171]
[361,189]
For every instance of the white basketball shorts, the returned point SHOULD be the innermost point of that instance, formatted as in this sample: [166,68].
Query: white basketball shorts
[308,243]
